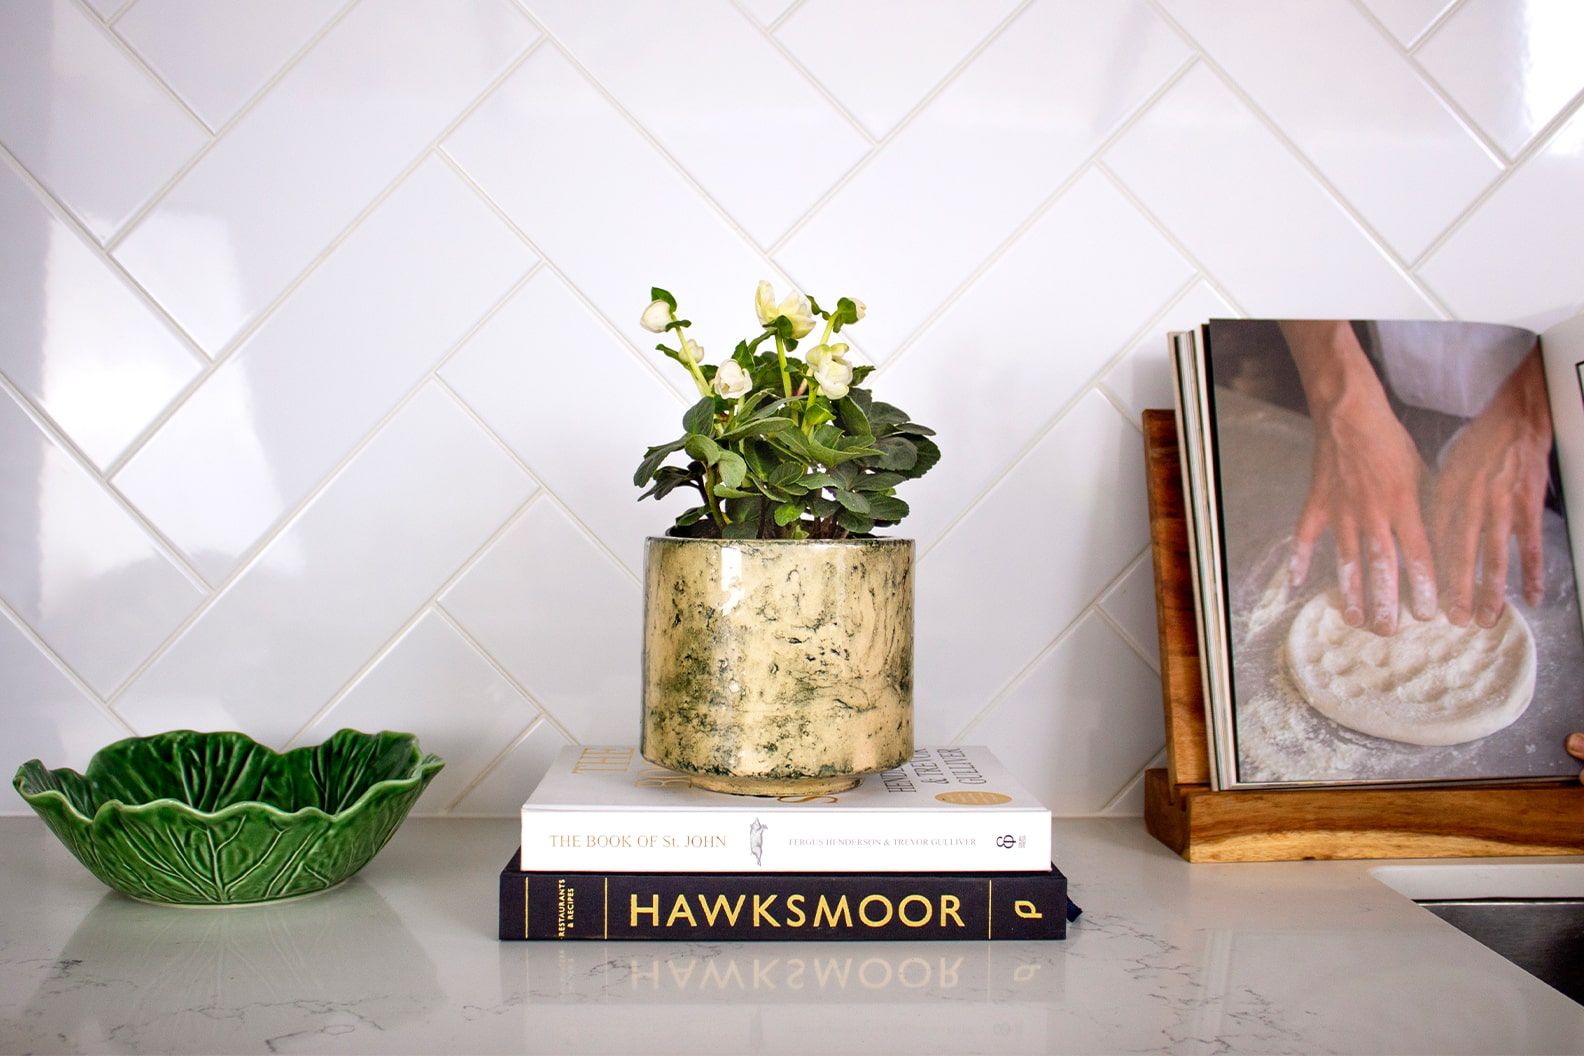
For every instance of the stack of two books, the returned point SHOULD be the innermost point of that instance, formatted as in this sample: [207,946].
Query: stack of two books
[947,846]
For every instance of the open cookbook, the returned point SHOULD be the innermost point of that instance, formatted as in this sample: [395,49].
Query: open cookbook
[1383,561]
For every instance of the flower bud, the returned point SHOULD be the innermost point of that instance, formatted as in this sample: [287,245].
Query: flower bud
[732,381]
[655,317]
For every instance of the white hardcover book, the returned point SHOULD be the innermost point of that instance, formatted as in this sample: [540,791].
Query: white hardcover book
[946,810]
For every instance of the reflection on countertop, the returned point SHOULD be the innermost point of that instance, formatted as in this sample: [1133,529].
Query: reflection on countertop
[1293,957]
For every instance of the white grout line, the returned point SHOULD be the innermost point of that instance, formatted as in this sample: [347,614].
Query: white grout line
[1116,624]
[1158,759]
[499,759]
[785,16]
[263,314]
[169,550]
[1045,430]
[648,361]
[884,141]
[138,61]
[118,15]
[500,669]
[429,604]
[1434,25]
[1029,222]
[1442,96]
[1365,228]
[814,82]
[219,133]
[1023,673]
[60,664]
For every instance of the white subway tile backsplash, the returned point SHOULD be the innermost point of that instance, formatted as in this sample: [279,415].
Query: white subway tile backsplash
[1512,66]
[1027,195]
[290,176]
[633,50]
[217,56]
[74,336]
[839,41]
[1320,71]
[997,589]
[546,341]
[89,124]
[1224,185]
[434,684]
[1517,260]
[611,213]
[335,358]
[1021,118]
[562,618]
[75,565]
[338,580]
[1098,271]
[47,717]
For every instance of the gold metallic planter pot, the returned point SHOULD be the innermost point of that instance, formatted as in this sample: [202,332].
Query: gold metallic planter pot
[778,667]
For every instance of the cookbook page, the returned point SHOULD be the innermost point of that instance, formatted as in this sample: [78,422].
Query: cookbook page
[1562,350]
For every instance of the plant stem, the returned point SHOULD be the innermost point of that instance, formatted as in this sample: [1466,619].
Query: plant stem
[698,375]
[786,379]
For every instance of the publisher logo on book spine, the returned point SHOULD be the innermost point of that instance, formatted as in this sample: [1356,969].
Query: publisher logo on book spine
[1008,841]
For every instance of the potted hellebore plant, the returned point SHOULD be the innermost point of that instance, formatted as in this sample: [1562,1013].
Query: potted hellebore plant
[778,629]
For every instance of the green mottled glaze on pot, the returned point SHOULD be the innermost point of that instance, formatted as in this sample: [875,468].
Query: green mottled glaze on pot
[775,667]
[219,819]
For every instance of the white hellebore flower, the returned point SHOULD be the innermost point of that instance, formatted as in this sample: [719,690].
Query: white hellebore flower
[830,370]
[655,317]
[732,381]
[692,351]
[795,307]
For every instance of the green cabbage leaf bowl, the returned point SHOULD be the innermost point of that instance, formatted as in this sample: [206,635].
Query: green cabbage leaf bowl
[218,819]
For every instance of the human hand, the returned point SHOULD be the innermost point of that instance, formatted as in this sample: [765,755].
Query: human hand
[1365,482]
[1575,748]
[1493,486]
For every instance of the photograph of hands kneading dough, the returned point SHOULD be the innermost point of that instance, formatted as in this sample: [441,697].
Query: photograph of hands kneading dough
[1400,597]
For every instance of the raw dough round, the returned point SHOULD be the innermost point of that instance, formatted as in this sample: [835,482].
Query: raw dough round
[1430,683]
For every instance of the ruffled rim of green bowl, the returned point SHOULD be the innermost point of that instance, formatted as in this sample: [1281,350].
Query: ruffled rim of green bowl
[424,766]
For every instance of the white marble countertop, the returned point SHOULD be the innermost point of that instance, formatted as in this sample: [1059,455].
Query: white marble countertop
[1302,957]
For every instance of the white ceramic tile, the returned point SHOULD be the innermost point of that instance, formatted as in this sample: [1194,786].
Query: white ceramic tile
[303,162]
[86,121]
[632,48]
[903,234]
[46,716]
[563,619]
[1517,259]
[1129,803]
[1025,562]
[434,684]
[216,56]
[317,375]
[1131,603]
[106,8]
[1511,65]
[338,581]
[767,11]
[506,787]
[1407,19]
[546,341]
[1090,698]
[1096,270]
[74,337]
[1142,378]
[880,57]
[76,566]
[1224,185]
[609,211]
[1377,132]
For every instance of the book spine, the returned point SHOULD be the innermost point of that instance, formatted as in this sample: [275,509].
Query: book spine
[698,841]
[781,907]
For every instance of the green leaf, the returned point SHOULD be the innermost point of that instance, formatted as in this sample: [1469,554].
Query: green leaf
[788,512]
[887,508]
[820,480]
[928,455]
[886,413]
[862,371]
[856,523]
[758,427]
[852,500]
[846,312]
[820,506]
[896,452]
[692,515]
[914,429]
[878,481]
[784,473]
[703,448]
[700,418]
[726,491]
[652,459]
[657,294]
[678,324]
[667,480]
[811,450]
[733,470]
[817,310]
[853,418]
